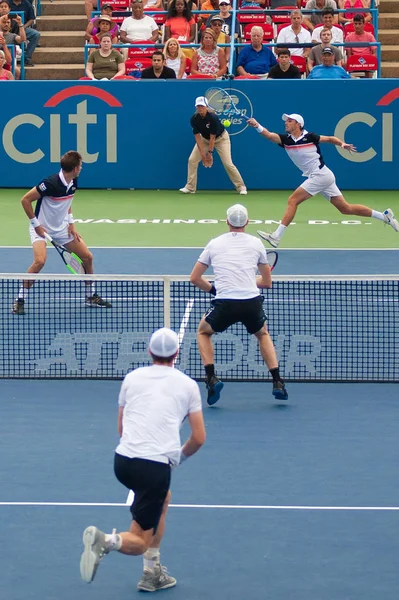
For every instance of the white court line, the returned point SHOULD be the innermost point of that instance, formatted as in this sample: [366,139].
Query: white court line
[201,248]
[214,506]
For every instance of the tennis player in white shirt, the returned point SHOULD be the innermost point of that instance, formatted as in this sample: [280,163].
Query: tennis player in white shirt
[153,403]
[236,258]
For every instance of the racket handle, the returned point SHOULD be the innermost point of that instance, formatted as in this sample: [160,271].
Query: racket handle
[48,237]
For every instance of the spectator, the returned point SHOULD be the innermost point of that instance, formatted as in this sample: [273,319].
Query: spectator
[92,28]
[327,70]
[153,4]
[310,21]
[253,3]
[295,33]
[284,68]
[216,24]
[336,32]
[139,27]
[345,18]
[255,58]
[159,70]
[190,4]
[207,5]
[315,54]
[32,35]
[5,50]
[104,25]
[13,38]
[209,59]
[4,74]
[359,35]
[175,58]
[180,23]
[106,62]
[227,17]
[4,11]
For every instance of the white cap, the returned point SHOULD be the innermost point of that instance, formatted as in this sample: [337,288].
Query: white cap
[201,101]
[164,342]
[296,118]
[237,215]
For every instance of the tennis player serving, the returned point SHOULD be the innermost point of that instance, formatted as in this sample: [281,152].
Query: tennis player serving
[303,148]
[53,215]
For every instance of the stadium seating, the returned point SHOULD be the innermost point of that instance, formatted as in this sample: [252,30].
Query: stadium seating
[359,63]
[268,33]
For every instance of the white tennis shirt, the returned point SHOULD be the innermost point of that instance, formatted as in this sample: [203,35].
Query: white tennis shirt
[155,402]
[235,257]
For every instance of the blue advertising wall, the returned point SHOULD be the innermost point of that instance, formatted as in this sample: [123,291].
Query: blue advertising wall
[136,134]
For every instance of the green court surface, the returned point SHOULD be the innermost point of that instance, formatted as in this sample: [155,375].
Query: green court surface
[112,218]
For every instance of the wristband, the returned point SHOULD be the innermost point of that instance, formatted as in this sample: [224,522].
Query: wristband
[213,290]
[34,222]
[259,129]
[70,218]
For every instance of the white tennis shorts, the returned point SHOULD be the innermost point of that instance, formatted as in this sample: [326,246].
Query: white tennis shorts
[61,237]
[322,182]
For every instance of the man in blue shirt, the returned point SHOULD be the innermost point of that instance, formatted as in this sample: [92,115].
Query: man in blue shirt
[328,70]
[32,35]
[255,59]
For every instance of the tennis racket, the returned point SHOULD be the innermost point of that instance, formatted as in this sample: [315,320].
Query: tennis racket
[272,258]
[222,103]
[72,261]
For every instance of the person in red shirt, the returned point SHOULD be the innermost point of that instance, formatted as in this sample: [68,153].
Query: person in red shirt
[359,35]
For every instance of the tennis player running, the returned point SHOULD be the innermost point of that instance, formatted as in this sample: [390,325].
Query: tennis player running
[53,214]
[303,148]
[153,403]
[236,258]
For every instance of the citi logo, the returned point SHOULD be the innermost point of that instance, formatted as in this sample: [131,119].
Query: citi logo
[18,139]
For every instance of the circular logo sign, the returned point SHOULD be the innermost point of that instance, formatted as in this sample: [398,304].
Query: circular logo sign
[227,112]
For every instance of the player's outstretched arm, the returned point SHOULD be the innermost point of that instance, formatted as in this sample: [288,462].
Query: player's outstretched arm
[272,137]
[331,139]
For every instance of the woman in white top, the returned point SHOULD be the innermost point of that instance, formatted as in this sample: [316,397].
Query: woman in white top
[175,58]
[139,27]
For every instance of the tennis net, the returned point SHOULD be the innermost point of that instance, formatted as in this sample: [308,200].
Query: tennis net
[324,328]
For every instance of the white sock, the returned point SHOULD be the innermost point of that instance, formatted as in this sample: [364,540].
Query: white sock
[113,541]
[90,289]
[22,292]
[151,558]
[377,215]
[279,231]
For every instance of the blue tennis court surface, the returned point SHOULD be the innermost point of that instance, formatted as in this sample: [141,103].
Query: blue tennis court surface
[296,502]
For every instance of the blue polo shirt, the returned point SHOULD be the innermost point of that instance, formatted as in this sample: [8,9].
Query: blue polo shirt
[255,62]
[25,6]
[333,72]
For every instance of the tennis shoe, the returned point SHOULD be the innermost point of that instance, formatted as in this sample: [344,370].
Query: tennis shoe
[95,550]
[18,308]
[389,218]
[269,237]
[279,391]
[214,387]
[185,190]
[97,302]
[243,191]
[157,579]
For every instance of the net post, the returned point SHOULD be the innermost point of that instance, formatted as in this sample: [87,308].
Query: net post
[166,302]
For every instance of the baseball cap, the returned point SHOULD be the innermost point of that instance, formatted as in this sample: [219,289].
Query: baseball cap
[224,2]
[216,18]
[296,118]
[237,215]
[106,5]
[164,342]
[201,101]
[327,51]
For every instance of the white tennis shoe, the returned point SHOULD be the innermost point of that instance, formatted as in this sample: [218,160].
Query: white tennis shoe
[95,550]
[185,190]
[389,218]
[243,191]
[269,237]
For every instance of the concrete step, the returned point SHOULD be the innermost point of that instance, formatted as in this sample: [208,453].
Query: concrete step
[54,71]
[390,69]
[62,23]
[388,36]
[389,6]
[74,7]
[62,39]
[390,53]
[388,21]
[59,56]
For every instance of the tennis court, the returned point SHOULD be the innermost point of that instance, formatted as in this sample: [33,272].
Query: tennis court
[297,501]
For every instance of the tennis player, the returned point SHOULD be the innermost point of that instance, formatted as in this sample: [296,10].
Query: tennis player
[236,258]
[303,148]
[153,403]
[53,214]
[210,134]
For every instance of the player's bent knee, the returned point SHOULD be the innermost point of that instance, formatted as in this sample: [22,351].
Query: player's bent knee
[39,264]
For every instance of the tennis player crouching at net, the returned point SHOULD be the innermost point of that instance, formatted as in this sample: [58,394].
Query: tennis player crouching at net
[236,258]
[53,214]
[153,403]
